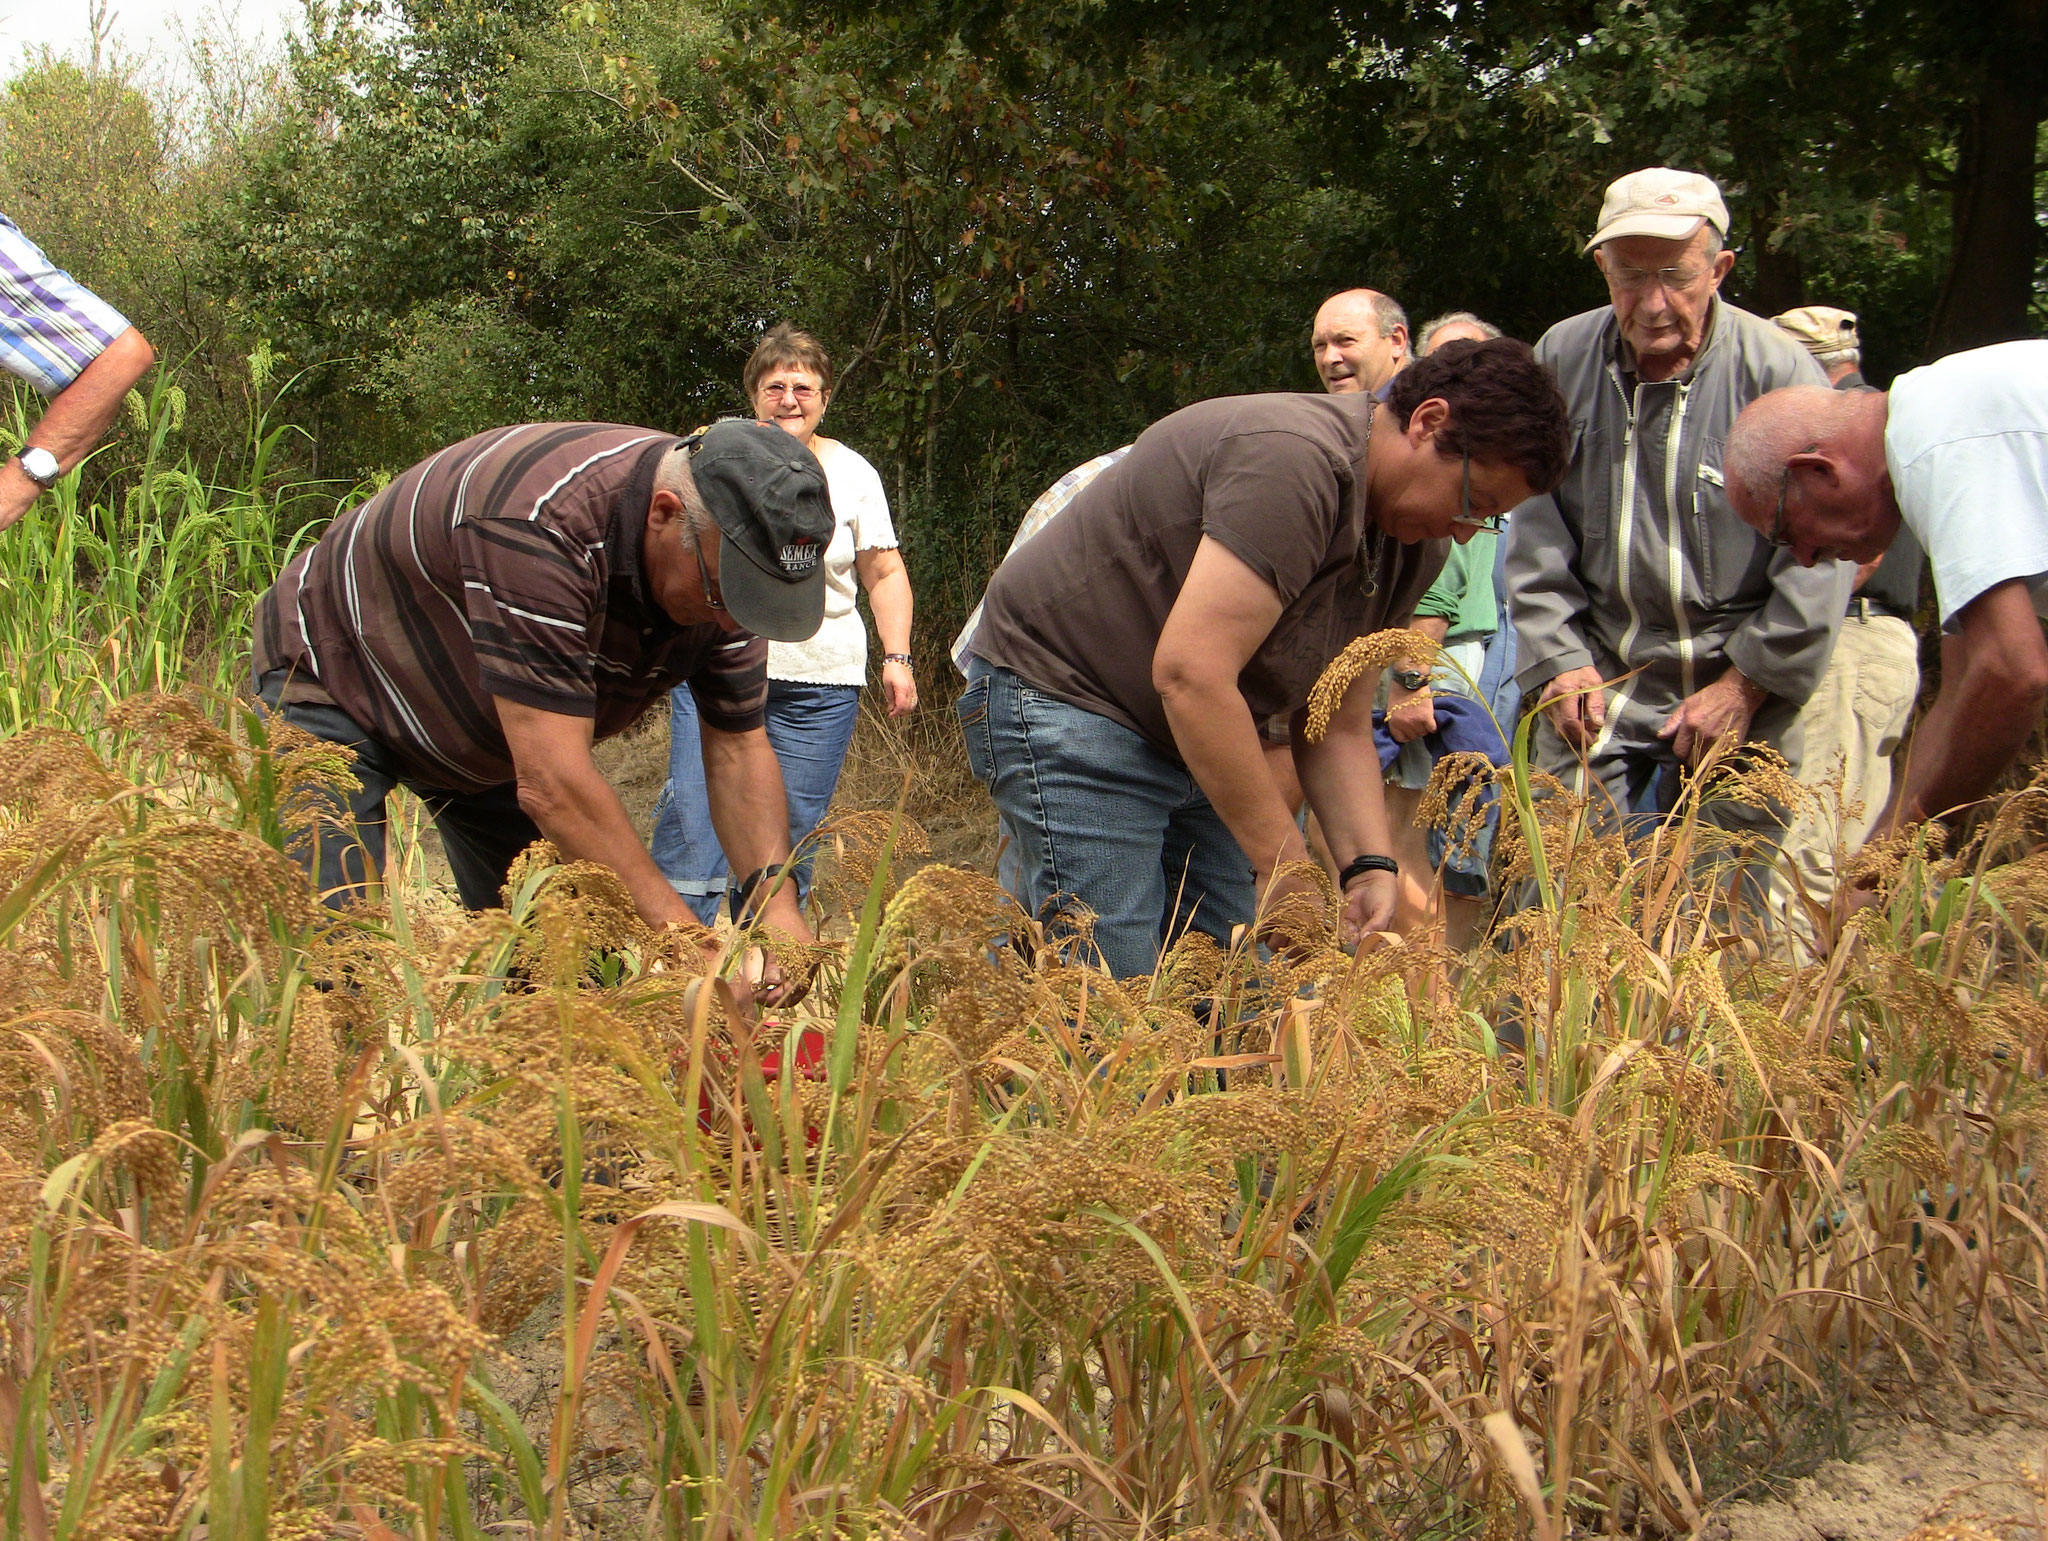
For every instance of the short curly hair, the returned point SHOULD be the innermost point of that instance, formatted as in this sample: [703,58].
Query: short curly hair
[1506,408]
[786,347]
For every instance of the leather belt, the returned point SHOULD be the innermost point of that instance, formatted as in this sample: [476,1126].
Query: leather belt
[1863,609]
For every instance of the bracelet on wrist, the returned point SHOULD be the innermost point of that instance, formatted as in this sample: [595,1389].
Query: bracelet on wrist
[902,658]
[1359,866]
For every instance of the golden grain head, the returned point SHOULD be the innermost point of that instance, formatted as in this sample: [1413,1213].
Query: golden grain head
[1363,656]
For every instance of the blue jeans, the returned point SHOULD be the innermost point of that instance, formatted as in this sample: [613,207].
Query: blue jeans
[809,727]
[1095,813]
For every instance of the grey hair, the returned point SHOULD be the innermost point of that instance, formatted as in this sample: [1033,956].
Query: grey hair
[1387,311]
[1774,428]
[673,475]
[1835,356]
[1436,324]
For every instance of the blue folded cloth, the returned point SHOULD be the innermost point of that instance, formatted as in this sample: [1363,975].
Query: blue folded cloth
[1462,727]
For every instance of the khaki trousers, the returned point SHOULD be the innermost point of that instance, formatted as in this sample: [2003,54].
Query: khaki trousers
[1849,728]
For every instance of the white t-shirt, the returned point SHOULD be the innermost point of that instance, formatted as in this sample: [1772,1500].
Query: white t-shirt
[1966,442]
[838,654]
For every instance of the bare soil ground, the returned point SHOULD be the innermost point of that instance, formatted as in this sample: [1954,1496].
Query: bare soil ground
[1948,1457]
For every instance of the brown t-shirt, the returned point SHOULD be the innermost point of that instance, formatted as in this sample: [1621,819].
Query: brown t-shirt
[1280,481]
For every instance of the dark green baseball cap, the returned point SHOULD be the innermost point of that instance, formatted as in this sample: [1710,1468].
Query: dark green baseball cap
[767,492]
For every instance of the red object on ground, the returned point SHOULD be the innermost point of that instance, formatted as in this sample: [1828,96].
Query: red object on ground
[769,1040]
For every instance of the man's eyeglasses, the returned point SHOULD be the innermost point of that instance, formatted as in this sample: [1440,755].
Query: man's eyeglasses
[1623,276]
[1486,524]
[1778,537]
[712,596]
[793,392]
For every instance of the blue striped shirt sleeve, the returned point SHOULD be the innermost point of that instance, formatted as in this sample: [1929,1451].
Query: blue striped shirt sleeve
[51,325]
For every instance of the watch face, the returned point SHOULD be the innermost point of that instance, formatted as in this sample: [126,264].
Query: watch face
[40,464]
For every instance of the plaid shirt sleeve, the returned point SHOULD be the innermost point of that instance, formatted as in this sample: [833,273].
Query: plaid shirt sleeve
[51,326]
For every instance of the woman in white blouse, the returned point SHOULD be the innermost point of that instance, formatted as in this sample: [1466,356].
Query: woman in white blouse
[814,686]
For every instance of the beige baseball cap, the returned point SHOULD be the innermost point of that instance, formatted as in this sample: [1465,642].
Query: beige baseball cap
[1822,328]
[1659,202]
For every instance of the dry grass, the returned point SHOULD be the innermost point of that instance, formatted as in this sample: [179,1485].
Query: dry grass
[977,1242]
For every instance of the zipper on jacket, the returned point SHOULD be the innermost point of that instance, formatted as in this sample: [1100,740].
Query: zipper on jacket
[1623,547]
[1623,557]
[1675,556]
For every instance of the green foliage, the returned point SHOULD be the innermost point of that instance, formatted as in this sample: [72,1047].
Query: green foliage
[1024,230]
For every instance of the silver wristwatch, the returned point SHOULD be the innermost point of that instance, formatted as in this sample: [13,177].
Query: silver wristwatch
[39,466]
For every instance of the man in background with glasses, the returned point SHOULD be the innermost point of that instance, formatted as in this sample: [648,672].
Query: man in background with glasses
[1650,620]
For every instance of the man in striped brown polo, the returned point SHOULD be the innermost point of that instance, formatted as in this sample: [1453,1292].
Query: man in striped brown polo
[474,627]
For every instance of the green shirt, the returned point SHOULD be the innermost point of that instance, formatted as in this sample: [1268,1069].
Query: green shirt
[1463,591]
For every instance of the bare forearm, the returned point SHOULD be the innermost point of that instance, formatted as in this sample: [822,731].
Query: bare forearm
[1974,730]
[81,413]
[1341,776]
[1434,627]
[751,814]
[1994,682]
[1213,729]
[889,597]
[579,812]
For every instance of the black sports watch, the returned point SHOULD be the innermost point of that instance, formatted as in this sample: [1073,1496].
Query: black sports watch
[39,466]
[1411,679]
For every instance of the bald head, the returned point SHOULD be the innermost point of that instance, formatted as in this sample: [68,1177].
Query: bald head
[1806,466]
[1771,430]
[1360,340]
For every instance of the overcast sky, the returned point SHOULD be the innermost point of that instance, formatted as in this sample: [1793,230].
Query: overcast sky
[146,28]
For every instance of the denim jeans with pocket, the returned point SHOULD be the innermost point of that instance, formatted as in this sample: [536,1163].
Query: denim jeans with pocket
[1094,812]
[809,727]
[481,832]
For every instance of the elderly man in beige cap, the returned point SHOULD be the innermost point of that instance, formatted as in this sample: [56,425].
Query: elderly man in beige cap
[1857,715]
[1650,620]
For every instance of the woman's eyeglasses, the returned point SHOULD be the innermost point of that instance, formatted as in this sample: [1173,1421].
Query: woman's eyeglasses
[1486,524]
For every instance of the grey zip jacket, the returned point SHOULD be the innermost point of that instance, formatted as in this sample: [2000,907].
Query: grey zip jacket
[1637,561]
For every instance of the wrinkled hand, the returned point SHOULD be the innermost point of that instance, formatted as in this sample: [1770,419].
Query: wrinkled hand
[899,685]
[1578,709]
[1411,714]
[1368,905]
[1724,707]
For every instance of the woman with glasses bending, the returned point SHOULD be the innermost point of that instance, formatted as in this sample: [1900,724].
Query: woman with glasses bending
[814,686]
